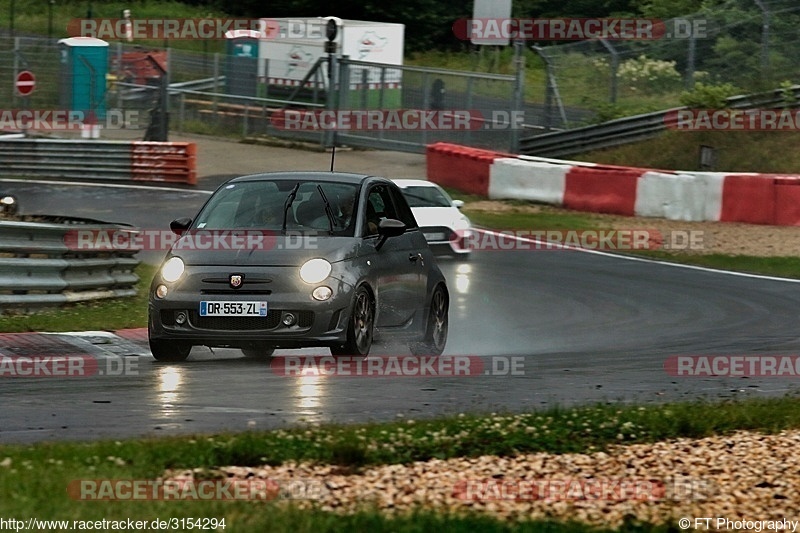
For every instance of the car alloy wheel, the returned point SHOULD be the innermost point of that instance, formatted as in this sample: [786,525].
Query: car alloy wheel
[437,327]
[360,327]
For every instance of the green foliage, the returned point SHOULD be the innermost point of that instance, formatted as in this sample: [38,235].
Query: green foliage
[606,111]
[709,96]
[744,151]
[787,94]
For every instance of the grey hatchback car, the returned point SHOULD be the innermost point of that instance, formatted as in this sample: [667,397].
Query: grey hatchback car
[298,259]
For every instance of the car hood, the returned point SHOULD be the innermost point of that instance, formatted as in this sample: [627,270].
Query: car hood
[272,251]
[437,216]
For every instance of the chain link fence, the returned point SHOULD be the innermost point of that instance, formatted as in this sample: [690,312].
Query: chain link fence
[750,44]
[156,90]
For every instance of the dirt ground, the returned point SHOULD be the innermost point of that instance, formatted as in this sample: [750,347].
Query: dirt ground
[709,237]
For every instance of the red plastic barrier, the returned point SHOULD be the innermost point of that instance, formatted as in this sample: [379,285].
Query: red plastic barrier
[164,161]
[461,167]
[602,189]
[787,201]
[748,198]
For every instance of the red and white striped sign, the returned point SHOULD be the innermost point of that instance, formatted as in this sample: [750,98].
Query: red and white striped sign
[25,83]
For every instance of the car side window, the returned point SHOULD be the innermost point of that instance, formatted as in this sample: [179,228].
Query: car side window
[379,206]
[404,213]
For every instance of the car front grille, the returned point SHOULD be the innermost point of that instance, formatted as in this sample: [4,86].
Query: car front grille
[443,233]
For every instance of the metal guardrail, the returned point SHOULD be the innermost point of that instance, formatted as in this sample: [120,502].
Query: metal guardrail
[99,160]
[633,129]
[205,84]
[132,92]
[606,135]
[39,267]
[65,158]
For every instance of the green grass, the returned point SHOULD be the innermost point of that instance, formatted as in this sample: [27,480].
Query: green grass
[768,152]
[783,267]
[118,313]
[543,220]
[34,477]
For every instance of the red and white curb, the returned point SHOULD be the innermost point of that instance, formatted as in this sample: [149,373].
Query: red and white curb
[124,343]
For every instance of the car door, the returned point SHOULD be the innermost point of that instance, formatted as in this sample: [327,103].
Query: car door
[393,268]
[419,255]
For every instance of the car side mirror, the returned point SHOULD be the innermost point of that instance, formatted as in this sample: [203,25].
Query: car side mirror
[179,225]
[389,227]
[458,204]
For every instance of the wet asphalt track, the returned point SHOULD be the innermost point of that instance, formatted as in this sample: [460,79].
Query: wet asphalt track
[589,328]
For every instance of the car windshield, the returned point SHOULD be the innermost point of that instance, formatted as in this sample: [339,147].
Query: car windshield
[261,205]
[425,197]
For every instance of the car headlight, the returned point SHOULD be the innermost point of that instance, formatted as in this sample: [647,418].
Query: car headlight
[461,223]
[315,270]
[172,269]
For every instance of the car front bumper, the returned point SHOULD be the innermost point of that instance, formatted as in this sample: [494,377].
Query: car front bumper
[177,316]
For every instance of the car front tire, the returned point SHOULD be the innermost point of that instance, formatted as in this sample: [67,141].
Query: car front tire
[360,327]
[169,351]
[435,338]
[258,352]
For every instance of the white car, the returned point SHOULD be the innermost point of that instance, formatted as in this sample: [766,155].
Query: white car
[438,216]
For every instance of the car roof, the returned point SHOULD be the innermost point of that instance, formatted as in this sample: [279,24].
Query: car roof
[338,177]
[414,183]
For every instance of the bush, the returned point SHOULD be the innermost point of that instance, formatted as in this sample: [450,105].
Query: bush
[709,96]
[649,76]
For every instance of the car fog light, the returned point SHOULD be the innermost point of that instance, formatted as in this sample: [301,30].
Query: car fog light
[322,293]
[161,291]
[180,318]
[289,319]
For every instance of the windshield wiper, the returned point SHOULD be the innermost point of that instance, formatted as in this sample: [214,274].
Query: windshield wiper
[287,205]
[328,210]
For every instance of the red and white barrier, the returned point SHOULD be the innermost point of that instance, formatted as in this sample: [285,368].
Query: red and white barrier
[602,189]
[527,180]
[461,167]
[680,195]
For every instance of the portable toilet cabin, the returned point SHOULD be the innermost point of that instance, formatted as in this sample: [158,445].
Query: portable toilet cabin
[241,65]
[84,66]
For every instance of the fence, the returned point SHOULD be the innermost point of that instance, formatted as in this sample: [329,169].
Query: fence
[38,268]
[640,127]
[214,93]
[751,44]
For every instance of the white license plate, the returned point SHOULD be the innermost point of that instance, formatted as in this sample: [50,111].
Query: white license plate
[434,236]
[233,308]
